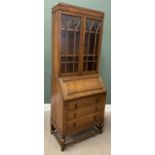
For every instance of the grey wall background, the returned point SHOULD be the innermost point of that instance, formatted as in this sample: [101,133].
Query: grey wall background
[105,66]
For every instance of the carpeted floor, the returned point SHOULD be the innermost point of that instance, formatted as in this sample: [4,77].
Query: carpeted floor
[96,145]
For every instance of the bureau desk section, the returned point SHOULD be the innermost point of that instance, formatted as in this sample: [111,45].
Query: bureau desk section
[78,105]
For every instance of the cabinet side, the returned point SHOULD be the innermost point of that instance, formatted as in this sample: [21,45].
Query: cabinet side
[56,103]
[55,37]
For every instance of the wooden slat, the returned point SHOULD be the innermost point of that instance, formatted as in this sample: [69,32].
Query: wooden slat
[64,62]
[72,30]
[90,60]
[89,55]
[91,32]
[68,55]
[82,42]
[83,137]
[75,9]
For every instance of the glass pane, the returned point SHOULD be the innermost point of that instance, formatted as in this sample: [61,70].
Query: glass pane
[90,58]
[71,22]
[77,43]
[70,59]
[76,67]
[63,25]
[63,46]
[76,58]
[62,68]
[97,43]
[91,48]
[91,43]
[90,66]
[70,43]
[84,66]
[95,65]
[86,43]
[89,25]
[93,25]
[63,59]
[69,68]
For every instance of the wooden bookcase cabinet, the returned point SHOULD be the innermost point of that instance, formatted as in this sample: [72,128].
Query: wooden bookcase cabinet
[78,93]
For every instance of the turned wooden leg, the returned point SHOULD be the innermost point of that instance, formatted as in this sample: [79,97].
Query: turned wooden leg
[62,147]
[52,129]
[100,127]
[62,143]
[101,130]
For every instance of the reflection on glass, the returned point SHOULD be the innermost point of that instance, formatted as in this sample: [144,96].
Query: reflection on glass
[70,43]
[91,47]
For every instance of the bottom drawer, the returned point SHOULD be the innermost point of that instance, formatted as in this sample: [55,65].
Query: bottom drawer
[85,122]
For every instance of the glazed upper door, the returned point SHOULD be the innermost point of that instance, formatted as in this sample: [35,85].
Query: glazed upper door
[92,38]
[70,44]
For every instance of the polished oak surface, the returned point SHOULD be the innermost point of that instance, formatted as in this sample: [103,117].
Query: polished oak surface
[78,93]
[80,86]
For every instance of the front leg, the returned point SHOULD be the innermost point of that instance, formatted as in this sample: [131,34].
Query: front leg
[100,127]
[52,129]
[62,142]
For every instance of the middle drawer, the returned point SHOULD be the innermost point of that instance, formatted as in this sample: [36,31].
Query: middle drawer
[83,109]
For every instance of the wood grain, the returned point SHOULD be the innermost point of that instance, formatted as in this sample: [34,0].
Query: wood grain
[77,98]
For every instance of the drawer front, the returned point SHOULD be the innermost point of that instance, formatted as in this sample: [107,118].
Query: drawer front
[84,111]
[85,106]
[85,122]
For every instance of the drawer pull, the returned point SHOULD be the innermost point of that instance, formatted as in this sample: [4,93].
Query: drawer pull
[95,118]
[75,106]
[97,100]
[74,125]
[74,115]
[96,109]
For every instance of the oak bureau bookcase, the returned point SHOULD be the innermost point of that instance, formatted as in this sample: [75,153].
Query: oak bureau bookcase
[78,93]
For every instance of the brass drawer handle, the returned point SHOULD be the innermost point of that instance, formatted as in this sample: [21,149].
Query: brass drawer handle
[74,125]
[96,109]
[97,100]
[74,115]
[95,118]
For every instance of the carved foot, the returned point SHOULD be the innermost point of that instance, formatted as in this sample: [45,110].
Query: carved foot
[100,127]
[62,143]
[63,147]
[52,129]
[101,130]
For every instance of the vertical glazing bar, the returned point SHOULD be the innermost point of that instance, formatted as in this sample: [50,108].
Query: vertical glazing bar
[97,52]
[74,51]
[87,51]
[66,50]
[94,51]
[82,44]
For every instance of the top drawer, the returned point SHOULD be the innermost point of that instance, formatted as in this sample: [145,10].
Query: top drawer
[86,101]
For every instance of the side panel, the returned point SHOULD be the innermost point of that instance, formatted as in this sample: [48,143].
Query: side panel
[57,107]
[56,101]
